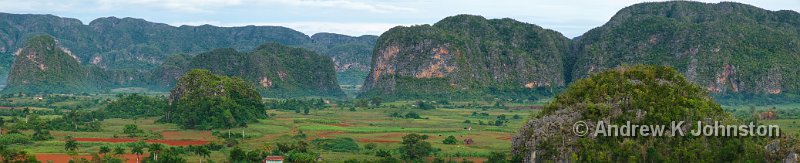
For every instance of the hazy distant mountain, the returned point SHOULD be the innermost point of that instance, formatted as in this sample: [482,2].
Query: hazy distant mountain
[351,55]
[275,70]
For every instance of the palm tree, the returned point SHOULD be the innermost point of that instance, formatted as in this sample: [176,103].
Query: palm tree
[138,150]
[119,151]
[155,148]
[70,144]
[104,150]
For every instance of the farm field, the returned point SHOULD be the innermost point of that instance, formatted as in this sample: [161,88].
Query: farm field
[368,126]
[372,128]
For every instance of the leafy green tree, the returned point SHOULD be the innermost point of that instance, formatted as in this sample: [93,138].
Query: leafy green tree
[450,140]
[16,156]
[415,147]
[499,122]
[132,130]
[412,115]
[135,105]
[41,134]
[237,155]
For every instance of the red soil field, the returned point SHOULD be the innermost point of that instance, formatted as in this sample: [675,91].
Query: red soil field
[127,140]
[505,138]
[64,158]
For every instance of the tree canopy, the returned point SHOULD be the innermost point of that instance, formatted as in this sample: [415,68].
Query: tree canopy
[202,100]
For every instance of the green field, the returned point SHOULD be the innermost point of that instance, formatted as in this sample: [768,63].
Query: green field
[365,125]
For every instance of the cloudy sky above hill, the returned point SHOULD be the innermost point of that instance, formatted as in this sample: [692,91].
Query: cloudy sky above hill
[351,17]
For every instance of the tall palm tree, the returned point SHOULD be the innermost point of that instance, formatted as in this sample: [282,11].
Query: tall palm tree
[138,150]
[155,149]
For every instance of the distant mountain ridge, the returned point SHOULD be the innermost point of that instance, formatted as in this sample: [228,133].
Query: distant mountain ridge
[133,47]
[729,48]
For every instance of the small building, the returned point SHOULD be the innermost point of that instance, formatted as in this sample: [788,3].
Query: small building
[273,159]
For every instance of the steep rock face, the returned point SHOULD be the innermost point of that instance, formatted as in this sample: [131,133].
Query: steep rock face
[44,66]
[134,46]
[276,70]
[724,47]
[466,54]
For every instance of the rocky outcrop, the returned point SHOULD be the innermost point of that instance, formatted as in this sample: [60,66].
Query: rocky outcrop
[466,54]
[44,66]
[725,47]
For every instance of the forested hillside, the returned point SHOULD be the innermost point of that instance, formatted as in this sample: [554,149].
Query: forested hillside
[275,70]
[724,47]
[130,48]
[466,56]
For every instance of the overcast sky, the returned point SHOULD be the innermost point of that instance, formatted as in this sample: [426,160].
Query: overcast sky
[351,17]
